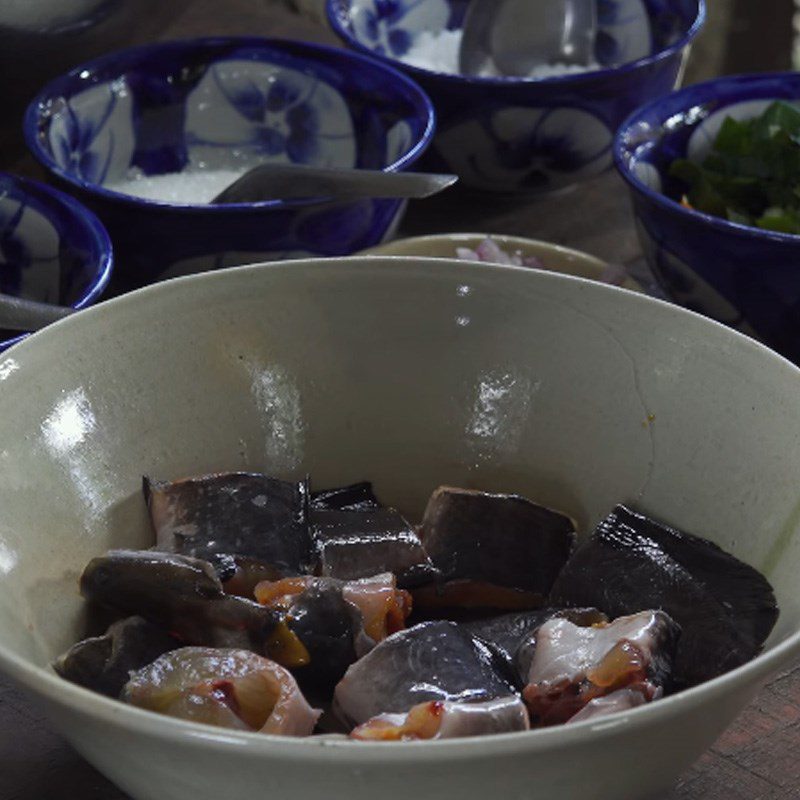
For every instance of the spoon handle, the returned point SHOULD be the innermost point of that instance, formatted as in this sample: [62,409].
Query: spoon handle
[17,314]
[291,181]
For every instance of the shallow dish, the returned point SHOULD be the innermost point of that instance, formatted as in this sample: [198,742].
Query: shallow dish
[219,106]
[410,372]
[52,249]
[553,256]
[743,276]
[528,135]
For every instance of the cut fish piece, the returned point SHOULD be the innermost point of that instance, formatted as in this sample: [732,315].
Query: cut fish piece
[506,549]
[567,666]
[104,663]
[230,515]
[180,594]
[505,633]
[439,719]
[358,544]
[726,609]
[322,625]
[622,700]
[229,688]
[431,661]
[356,497]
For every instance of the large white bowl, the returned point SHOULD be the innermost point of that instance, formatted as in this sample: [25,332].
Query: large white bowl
[411,373]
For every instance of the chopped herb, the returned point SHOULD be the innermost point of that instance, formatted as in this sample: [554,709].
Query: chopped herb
[752,174]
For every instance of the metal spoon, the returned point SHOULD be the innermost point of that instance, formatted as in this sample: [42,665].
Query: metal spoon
[17,314]
[518,35]
[287,181]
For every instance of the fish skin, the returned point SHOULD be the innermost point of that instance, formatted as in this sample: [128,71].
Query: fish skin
[178,593]
[725,608]
[359,544]
[104,663]
[498,539]
[431,661]
[327,625]
[335,621]
[355,497]
[221,516]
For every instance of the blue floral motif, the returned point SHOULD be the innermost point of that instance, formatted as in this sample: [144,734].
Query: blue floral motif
[264,113]
[528,149]
[282,113]
[388,27]
[623,31]
[76,145]
[684,286]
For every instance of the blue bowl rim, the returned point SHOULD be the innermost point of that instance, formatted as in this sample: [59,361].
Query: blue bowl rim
[83,216]
[416,94]
[556,80]
[660,199]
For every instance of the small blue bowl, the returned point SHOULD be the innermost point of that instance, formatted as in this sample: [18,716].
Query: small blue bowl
[743,276]
[52,249]
[523,135]
[205,105]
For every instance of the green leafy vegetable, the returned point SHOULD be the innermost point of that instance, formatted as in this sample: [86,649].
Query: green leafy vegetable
[752,174]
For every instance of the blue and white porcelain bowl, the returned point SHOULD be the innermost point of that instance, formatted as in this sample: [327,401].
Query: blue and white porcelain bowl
[521,134]
[743,276]
[52,249]
[205,109]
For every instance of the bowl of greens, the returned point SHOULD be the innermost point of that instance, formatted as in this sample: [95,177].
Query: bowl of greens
[714,174]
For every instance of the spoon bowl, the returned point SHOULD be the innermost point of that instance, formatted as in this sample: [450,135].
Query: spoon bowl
[18,314]
[516,36]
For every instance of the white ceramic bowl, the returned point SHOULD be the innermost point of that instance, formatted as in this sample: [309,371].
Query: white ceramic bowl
[411,373]
[553,256]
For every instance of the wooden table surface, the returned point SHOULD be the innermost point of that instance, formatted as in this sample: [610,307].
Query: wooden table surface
[755,759]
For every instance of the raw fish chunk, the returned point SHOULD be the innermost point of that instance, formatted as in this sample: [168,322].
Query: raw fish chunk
[439,719]
[356,497]
[506,632]
[726,609]
[431,661]
[229,688]
[566,666]
[498,550]
[233,514]
[104,663]
[621,700]
[322,625]
[180,594]
[358,544]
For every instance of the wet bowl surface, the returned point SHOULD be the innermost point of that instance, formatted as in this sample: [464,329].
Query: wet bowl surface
[412,373]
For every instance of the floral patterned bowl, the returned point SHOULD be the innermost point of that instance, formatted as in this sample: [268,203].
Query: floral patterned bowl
[531,135]
[52,249]
[745,277]
[209,107]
